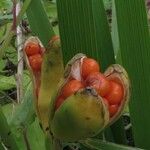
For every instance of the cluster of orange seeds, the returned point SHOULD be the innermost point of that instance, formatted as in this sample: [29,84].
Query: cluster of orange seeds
[34,52]
[111,91]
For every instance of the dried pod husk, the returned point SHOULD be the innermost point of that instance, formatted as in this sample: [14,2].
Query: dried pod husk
[118,74]
[83,114]
[45,81]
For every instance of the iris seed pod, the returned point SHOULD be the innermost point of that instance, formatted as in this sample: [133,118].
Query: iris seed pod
[81,112]
[45,77]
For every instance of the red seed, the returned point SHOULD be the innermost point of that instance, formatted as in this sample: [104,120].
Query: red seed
[35,62]
[71,87]
[115,94]
[89,66]
[113,110]
[99,82]
[32,48]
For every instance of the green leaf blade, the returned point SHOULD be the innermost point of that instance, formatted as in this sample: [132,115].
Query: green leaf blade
[39,22]
[135,53]
[88,31]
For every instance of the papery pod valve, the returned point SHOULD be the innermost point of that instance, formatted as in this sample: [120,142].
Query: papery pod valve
[46,69]
[88,100]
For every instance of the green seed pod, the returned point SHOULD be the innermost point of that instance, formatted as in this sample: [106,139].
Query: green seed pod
[82,115]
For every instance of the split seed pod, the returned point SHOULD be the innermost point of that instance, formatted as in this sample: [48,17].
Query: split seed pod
[81,112]
[45,77]
[118,74]
[30,51]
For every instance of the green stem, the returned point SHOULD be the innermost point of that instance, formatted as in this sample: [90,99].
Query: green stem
[57,144]
[1,146]
[48,142]
[6,134]
[52,144]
